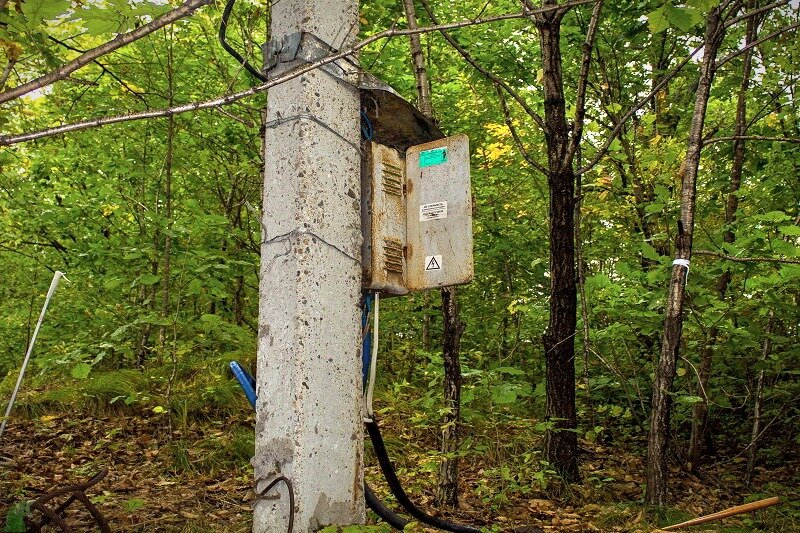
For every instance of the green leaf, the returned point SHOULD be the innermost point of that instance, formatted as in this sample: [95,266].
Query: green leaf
[81,370]
[773,216]
[690,399]
[149,279]
[680,18]
[657,20]
[702,5]
[133,504]
[41,10]
[792,231]
[649,252]
[653,208]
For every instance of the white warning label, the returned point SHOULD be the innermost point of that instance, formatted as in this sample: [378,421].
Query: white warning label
[434,211]
[433,262]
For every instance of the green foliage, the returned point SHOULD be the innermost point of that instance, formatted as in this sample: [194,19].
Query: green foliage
[15,518]
[94,205]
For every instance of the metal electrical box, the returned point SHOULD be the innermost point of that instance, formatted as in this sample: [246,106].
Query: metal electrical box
[439,214]
[417,216]
[383,220]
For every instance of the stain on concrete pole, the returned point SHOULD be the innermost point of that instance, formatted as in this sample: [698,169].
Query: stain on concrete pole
[308,414]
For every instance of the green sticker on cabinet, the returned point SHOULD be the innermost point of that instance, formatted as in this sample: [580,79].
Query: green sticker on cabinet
[429,158]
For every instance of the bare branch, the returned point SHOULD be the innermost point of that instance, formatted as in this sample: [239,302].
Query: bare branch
[712,140]
[748,259]
[6,73]
[487,73]
[634,108]
[6,140]
[583,77]
[755,43]
[514,135]
[755,12]
[186,9]
[105,69]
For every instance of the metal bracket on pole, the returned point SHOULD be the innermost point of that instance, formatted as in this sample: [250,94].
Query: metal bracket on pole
[306,48]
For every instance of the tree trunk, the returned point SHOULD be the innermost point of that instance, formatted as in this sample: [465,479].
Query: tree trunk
[658,437]
[700,409]
[561,440]
[766,348]
[447,487]
[168,164]
[447,490]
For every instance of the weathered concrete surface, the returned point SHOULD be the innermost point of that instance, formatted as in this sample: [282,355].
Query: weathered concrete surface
[308,417]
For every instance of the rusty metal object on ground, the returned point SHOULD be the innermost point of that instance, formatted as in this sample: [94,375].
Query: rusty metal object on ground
[55,515]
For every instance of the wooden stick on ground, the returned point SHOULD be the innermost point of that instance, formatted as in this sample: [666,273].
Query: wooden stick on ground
[739,509]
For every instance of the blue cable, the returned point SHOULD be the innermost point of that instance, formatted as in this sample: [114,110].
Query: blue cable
[366,336]
[246,382]
[366,127]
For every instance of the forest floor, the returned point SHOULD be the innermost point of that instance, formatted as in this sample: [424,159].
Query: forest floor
[155,483]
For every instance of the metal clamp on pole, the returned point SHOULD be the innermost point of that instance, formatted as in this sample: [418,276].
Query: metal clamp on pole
[307,48]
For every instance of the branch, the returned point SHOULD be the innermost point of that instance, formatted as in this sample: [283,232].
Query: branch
[712,140]
[188,7]
[490,75]
[6,73]
[6,140]
[755,12]
[514,135]
[747,259]
[634,108]
[755,43]
[103,67]
[583,77]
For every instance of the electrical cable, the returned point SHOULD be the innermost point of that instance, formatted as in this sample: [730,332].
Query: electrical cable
[373,360]
[380,509]
[366,338]
[247,383]
[223,28]
[367,130]
[397,489]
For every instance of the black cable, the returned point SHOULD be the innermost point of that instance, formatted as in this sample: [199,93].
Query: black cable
[380,509]
[223,27]
[397,489]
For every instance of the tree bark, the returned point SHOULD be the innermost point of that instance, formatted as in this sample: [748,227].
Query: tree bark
[561,439]
[447,486]
[766,348]
[700,409]
[168,168]
[658,437]
[447,489]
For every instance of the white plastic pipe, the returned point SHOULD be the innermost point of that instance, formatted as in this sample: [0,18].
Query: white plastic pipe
[53,285]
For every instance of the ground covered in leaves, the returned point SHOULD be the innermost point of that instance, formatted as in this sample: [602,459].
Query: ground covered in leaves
[197,478]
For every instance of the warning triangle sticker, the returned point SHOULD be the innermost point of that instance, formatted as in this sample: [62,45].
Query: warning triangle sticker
[433,262]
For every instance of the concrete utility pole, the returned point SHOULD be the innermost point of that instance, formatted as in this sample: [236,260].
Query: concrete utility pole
[308,415]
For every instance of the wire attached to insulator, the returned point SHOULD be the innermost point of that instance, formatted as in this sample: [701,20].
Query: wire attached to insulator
[223,28]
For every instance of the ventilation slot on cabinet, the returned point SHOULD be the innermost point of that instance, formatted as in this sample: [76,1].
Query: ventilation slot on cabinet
[393,254]
[392,179]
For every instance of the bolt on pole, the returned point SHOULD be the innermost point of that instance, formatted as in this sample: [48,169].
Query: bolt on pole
[308,413]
